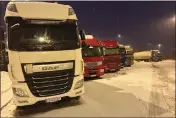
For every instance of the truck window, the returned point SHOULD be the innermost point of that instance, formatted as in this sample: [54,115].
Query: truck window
[129,52]
[92,51]
[42,37]
[122,51]
[111,51]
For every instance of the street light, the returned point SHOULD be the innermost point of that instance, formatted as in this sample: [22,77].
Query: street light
[159,46]
[119,35]
[173,18]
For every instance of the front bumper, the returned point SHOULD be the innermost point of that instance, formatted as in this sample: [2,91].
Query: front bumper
[111,67]
[24,101]
[97,72]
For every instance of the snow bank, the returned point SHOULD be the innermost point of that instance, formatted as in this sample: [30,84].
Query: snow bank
[6,89]
[9,110]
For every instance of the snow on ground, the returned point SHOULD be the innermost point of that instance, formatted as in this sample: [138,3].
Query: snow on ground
[7,106]
[165,72]
[145,82]
[153,83]
[135,80]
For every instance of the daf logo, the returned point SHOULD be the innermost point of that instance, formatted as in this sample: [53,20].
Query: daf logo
[50,68]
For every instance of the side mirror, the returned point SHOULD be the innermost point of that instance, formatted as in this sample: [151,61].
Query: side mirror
[82,34]
[84,44]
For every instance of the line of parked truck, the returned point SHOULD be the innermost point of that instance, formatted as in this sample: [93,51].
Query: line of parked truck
[45,57]
[104,56]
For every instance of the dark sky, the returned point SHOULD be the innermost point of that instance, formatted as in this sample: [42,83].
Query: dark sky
[139,23]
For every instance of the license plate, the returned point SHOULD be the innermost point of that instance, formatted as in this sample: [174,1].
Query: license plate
[112,69]
[92,75]
[55,99]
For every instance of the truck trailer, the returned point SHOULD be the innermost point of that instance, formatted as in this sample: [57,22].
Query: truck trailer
[44,52]
[151,55]
[92,54]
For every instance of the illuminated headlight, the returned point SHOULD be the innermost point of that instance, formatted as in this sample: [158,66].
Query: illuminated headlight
[79,84]
[101,70]
[99,63]
[85,64]
[20,92]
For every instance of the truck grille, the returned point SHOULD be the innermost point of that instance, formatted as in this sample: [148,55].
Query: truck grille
[43,84]
[89,64]
[92,71]
[106,61]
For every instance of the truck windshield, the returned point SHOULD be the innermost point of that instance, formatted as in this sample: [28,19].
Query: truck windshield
[92,51]
[129,52]
[111,51]
[42,37]
[122,51]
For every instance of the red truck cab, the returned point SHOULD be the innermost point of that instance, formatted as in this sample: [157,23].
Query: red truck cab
[112,59]
[93,57]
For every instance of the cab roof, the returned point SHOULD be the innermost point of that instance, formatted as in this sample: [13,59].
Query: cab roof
[40,10]
[121,46]
[110,43]
[93,42]
[128,47]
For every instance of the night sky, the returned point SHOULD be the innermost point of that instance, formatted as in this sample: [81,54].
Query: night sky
[139,23]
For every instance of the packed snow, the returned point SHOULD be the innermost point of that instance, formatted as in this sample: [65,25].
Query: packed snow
[153,83]
[7,106]
[144,81]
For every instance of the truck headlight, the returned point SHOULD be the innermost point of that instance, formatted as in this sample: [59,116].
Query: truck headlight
[79,84]
[85,64]
[101,70]
[99,63]
[20,92]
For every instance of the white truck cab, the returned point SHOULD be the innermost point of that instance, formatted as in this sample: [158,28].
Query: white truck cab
[45,59]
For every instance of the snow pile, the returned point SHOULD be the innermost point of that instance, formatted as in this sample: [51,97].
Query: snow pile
[7,105]
[9,110]
[6,89]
